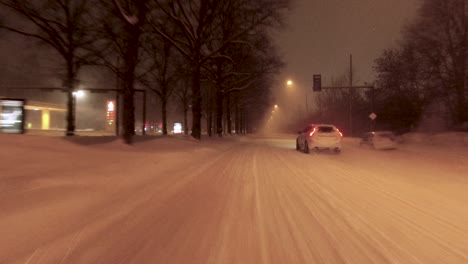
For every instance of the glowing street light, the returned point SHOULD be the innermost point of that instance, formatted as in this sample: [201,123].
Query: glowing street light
[289,82]
[79,93]
[276,106]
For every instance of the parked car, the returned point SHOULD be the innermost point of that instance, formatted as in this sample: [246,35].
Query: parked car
[318,137]
[379,140]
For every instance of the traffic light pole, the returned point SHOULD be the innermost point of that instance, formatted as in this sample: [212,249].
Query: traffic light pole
[317,87]
[354,87]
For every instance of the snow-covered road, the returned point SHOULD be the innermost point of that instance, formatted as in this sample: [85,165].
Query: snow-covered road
[248,200]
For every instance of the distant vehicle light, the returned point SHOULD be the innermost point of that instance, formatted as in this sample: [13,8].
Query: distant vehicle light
[177,128]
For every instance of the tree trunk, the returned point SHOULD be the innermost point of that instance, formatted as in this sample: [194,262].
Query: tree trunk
[237,116]
[244,122]
[186,130]
[70,98]
[133,34]
[219,112]
[128,111]
[228,113]
[196,97]
[224,123]
[164,114]
[241,124]
[461,111]
[209,118]
[461,107]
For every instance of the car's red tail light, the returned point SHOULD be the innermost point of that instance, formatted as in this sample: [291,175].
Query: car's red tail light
[341,134]
[312,133]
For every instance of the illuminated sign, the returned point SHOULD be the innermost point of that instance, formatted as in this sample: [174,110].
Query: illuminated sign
[110,106]
[12,116]
[110,116]
[177,128]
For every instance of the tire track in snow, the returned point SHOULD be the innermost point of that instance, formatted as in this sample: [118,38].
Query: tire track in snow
[341,194]
[260,212]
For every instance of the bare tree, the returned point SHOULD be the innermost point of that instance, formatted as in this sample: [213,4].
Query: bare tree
[440,38]
[121,28]
[430,66]
[208,103]
[195,20]
[64,25]
[241,46]
[162,76]
[199,22]
[183,95]
[133,29]
[254,73]
[401,89]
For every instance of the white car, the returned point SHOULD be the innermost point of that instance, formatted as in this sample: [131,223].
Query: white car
[379,140]
[318,137]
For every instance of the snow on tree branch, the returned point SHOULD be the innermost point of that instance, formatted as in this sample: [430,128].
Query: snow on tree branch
[130,19]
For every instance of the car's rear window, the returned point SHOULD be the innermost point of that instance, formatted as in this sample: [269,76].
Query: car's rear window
[326,129]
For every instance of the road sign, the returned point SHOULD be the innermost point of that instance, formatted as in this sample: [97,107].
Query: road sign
[12,116]
[372,116]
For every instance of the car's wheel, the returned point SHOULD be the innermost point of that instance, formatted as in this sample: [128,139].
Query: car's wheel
[306,148]
[297,145]
[337,151]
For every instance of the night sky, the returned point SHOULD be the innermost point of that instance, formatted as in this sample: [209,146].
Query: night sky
[320,36]
[323,33]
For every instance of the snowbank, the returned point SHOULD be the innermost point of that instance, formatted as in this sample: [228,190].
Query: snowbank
[440,139]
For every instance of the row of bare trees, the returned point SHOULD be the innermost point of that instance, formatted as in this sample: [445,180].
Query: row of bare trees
[430,65]
[425,76]
[164,45]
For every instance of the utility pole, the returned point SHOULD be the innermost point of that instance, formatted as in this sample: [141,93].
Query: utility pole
[317,87]
[351,70]
[351,94]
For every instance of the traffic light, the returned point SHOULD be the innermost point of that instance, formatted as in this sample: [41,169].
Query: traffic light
[317,83]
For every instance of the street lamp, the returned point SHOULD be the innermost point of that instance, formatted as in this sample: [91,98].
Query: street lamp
[78,94]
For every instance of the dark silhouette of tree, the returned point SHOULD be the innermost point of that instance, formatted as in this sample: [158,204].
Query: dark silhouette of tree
[162,76]
[400,95]
[441,35]
[195,20]
[133,30]
[239,64]
[64,25]
[249,80]
[199,22]
[121,27]
[431,62]
[183,94]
